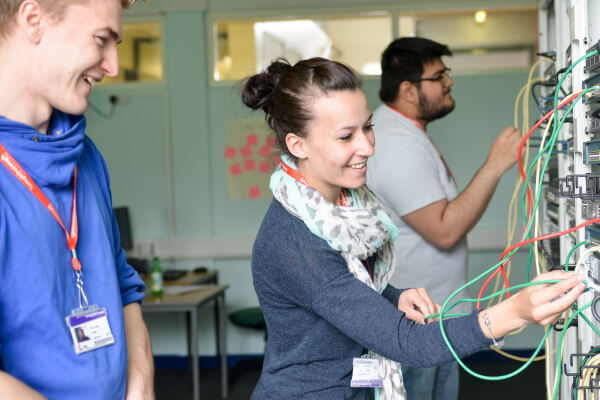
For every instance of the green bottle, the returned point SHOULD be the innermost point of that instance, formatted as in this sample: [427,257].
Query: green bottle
[157,278]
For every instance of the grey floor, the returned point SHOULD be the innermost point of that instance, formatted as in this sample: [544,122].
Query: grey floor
[175,384]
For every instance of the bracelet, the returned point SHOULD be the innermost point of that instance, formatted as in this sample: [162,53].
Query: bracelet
[497,343]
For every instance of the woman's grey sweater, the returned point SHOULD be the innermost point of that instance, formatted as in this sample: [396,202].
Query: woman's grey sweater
[319,317]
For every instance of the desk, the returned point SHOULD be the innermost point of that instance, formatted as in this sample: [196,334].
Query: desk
[196,278]
[189,303]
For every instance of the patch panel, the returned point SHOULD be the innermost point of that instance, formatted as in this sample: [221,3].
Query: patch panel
[594,95]
[590,210]
[592,234]
[592,63]
[568,28]
[594,126]
[591,152]
[552,212]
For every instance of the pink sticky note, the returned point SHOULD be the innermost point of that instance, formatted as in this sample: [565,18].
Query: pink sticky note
[246,151]
[263,167]
[254,192]
[271,141]
[252,139]
[264,151]
[250,164]
[235,169]
[229,152]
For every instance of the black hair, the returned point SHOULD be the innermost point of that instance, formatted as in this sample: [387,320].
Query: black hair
[403,60]
[282,91]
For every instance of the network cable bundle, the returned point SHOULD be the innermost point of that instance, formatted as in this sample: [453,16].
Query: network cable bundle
[557,195]
[570,197]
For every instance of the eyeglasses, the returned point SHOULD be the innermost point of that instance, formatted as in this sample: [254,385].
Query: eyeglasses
[445,74]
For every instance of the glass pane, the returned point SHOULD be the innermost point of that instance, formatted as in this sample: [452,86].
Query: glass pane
[245,47]
[140,54]
[505,39]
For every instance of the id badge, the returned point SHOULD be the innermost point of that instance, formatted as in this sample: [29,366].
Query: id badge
[89,329]
[365,373]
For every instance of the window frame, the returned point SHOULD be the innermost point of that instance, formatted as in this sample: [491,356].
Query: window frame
[281,15]
[393,11]
[160,19]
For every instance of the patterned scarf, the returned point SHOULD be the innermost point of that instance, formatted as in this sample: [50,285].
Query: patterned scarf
[358,231]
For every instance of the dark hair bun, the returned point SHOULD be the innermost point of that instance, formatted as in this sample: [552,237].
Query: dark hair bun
[258,89]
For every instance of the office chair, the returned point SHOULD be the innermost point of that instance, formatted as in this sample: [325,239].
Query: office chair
[252,318]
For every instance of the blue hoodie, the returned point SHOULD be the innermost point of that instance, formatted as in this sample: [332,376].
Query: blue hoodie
[37,282]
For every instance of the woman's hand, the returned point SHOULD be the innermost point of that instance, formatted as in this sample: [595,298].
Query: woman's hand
[543,304]
[417,304]
[538,304]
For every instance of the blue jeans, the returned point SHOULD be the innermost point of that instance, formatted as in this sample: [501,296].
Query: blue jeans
[436,383]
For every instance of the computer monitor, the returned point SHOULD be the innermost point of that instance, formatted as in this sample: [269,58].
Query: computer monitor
[122,216]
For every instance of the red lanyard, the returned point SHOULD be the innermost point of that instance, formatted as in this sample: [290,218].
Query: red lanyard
[366,264]
[343,202]
[293,173]
[298,176]
[414,121]
[15,168]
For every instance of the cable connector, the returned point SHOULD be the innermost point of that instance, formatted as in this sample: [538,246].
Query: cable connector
[593,93]
[592,63]
[548,54]
[596,47]
[592,282]
[550,82]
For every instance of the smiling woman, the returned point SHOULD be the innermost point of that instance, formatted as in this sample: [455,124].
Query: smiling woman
[335,155]
[323,255]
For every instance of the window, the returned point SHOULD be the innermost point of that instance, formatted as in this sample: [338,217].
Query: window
[140,54]
[243,47]
[506,39]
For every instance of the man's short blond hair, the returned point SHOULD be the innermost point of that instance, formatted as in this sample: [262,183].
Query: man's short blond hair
[8,9]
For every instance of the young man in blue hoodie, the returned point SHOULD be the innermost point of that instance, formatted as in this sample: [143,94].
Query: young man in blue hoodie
[61,266]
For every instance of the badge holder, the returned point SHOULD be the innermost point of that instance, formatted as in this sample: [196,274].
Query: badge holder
[366,372]
[88,324]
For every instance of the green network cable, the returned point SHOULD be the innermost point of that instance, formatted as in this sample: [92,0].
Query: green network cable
[559,351]
[548,148]
[572,251]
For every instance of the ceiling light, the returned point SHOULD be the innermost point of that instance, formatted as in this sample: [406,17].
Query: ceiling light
[480,16]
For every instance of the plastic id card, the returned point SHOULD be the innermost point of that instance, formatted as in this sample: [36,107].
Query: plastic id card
[89,329]
[365,373]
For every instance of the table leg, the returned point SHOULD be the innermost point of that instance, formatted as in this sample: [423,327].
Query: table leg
[221,325]
[188,338]
[193,345]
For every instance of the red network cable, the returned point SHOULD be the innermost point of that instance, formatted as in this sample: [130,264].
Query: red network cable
[530,211]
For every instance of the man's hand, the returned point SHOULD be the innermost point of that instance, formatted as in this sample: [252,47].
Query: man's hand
[504,151]
[417,304]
